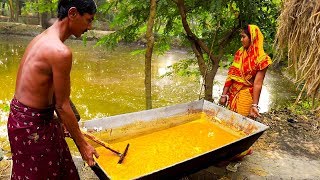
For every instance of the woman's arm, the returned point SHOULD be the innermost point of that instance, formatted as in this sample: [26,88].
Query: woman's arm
[224,97]
[257,86]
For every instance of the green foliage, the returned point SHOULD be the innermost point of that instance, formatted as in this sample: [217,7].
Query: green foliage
[186,67]
[129,19]
[211,21]
[161,46]
[302,107]
[226,61]
[40,6]
[85,39]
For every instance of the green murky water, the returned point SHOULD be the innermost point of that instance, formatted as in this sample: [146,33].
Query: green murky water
[106,83]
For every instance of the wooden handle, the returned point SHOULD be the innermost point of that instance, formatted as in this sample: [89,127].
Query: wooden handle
[95,139]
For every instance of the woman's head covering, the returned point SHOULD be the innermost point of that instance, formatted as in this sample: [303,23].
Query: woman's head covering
[256,40]
[248,61]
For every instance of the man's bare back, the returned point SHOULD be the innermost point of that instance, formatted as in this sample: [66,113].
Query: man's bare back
[43,80]
[34,85]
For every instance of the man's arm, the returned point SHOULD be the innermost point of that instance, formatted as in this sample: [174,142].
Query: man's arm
[61,67]
[75,111]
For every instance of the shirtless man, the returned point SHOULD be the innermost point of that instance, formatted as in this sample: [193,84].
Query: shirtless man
[39,150]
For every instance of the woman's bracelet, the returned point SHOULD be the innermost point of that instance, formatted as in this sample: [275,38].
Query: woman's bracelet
[224,95]
[256,106]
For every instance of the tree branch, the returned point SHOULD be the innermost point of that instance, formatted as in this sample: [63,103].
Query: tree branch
[190,34]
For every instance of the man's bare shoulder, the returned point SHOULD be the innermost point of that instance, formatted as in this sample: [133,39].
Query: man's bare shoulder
[55,49]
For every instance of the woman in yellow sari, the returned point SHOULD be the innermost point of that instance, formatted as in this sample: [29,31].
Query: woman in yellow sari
[243,85]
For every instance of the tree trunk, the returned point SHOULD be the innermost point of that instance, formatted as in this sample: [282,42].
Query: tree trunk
[208,71]
[17,11]
[3,5]
[38,18]
[11,10]
[198,46]
[148,55]
[209,81]
[44,17]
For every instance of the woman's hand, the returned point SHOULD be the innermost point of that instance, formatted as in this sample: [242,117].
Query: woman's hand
[254,112]
[223,101]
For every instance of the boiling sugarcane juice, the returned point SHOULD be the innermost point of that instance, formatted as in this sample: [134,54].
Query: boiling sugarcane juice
[157,150]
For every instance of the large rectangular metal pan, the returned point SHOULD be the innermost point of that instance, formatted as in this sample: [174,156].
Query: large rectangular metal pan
[252,128]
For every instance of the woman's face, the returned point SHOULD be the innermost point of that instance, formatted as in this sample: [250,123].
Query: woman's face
[245,40]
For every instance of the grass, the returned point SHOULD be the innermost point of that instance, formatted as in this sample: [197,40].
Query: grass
[305,106]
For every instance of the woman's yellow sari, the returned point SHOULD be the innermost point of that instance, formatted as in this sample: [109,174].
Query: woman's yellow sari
[246,64]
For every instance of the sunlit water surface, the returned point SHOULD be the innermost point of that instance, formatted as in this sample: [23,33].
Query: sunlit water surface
[106,83]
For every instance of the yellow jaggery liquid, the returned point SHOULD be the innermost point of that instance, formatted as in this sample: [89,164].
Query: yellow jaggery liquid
[157,150]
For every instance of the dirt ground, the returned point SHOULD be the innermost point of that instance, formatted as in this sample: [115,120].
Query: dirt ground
[289,149]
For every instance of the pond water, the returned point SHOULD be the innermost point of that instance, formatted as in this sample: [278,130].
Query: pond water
[106,83]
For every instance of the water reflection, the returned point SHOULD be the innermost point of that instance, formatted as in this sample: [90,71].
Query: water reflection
[165,62]
[106,83]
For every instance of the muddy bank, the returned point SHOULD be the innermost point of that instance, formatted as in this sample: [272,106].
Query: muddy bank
[295,134]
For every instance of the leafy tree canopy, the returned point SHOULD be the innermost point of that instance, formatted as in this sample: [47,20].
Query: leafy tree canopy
[209,21]
[40,6]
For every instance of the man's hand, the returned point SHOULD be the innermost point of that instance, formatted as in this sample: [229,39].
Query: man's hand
[87,151]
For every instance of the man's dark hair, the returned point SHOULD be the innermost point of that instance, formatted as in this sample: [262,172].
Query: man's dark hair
[83,6]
